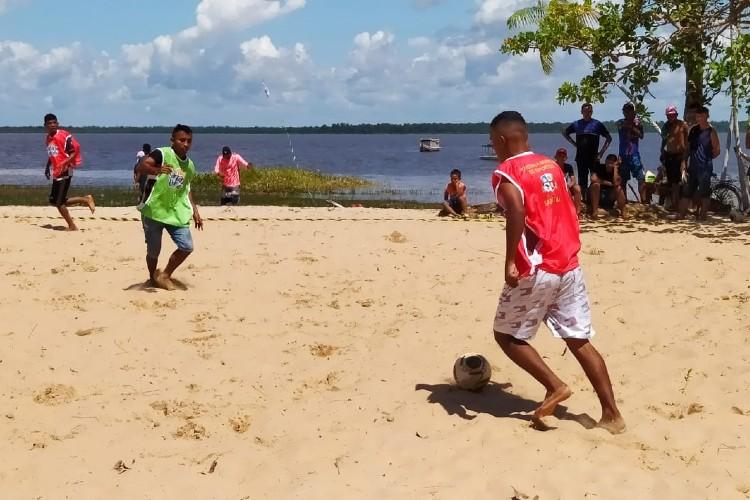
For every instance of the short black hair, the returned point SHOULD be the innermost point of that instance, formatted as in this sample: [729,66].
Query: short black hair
[587,105]
[457,172]
[508,117]
[702,109]
[146,148]
[181,128]
[226,150]
[628,105]
[610,156]
[49,117]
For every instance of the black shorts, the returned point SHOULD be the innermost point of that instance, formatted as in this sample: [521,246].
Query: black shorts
[230,195]
[698,183]
[673,164]
[607,197]
[59,194]
[455,204]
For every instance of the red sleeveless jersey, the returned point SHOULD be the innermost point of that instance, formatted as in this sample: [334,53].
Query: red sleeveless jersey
[60,147]
[551,238]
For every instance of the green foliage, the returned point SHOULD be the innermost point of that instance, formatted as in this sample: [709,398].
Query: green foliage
[281,180]
[630,43]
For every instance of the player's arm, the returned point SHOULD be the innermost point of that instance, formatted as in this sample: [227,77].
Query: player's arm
[217,168]
[638,129]
[446,194]
[196,215]
[607,139]
[566,133]
[715,143]
[615,176]
[515,215]
[153,164]
[47,167]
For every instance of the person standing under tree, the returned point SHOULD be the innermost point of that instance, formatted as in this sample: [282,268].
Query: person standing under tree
[674,144]
[630,130]
[168,204]
[703,147]
[588,130]
[543,280]
[64,154]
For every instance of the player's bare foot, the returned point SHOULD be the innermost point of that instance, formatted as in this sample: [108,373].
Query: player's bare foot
[72,228]
[163,281]
[551,400]
[541,424]
[90,203]
[615,425]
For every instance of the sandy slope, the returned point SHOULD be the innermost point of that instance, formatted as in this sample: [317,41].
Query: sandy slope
[310,357]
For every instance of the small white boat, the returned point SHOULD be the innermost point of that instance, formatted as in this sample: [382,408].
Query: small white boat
[429,145]
[488,153]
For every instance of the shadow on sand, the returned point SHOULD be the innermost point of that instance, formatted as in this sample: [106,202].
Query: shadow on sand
[54,228]
[493,400]
[148,286]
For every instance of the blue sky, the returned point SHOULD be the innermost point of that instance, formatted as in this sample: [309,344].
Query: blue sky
[147,62]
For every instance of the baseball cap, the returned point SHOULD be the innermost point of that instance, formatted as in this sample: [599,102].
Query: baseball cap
[561,152]
[671,110]
[226,151]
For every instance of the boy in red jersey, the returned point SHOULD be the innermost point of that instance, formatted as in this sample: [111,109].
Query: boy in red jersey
[543,279]
[64,154]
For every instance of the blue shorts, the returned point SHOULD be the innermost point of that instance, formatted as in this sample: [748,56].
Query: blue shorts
[631,168]
[152,229]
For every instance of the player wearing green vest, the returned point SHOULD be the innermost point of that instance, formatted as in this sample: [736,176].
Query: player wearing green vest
[167,203]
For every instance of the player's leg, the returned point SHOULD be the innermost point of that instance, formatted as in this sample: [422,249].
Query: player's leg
[595,191]
[519,313]
[58,197]
[184,241]
[152,231]
[82,201]
[570,319]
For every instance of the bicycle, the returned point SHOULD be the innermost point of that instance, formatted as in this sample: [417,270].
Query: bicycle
[725,195]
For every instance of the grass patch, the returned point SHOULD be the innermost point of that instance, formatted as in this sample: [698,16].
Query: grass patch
[260,186]
[283,181]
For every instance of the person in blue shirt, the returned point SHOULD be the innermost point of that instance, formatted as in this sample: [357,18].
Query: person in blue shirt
[630,130]
[588,131]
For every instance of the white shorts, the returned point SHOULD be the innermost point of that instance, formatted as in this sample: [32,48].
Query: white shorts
[561,301]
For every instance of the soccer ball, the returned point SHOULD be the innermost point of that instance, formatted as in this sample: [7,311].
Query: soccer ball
[472,371]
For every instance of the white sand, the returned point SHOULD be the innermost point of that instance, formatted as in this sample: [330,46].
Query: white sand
[312,359]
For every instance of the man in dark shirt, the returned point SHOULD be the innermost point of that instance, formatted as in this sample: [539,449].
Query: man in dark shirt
[587,130]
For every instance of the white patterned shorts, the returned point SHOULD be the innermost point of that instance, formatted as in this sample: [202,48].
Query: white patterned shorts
[561,301]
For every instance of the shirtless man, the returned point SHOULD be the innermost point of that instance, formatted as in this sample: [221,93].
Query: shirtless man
[674,135]
[455,201]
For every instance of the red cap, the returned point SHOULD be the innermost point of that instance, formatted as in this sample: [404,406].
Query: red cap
[562,152]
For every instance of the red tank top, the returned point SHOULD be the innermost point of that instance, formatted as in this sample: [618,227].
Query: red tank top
[551,239]
[59,148]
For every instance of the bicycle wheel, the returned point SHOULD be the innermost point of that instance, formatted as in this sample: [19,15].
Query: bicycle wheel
[725,197]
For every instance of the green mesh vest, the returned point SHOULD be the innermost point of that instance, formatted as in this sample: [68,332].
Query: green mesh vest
[169,202]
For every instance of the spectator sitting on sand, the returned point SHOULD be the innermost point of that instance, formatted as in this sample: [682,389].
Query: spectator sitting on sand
[455,201]
[606,188]
[570,178]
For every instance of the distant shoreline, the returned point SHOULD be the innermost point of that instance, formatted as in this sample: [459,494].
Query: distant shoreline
[336,128]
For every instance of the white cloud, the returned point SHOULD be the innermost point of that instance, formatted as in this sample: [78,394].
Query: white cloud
[8,4]
[498,11]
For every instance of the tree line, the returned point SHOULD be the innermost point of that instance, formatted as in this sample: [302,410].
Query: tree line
[335,128]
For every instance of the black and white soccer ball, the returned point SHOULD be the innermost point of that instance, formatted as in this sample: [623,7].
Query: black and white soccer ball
[472,371]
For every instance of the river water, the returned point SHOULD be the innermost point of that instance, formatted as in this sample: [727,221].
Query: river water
[393,161]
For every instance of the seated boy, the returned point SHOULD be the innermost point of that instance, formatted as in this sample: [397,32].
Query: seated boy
[570,178]
[455,201]
[606,188]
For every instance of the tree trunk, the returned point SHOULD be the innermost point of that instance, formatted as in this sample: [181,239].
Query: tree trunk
[693,84]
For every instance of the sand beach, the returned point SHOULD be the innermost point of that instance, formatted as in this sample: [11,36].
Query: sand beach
[309,355]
